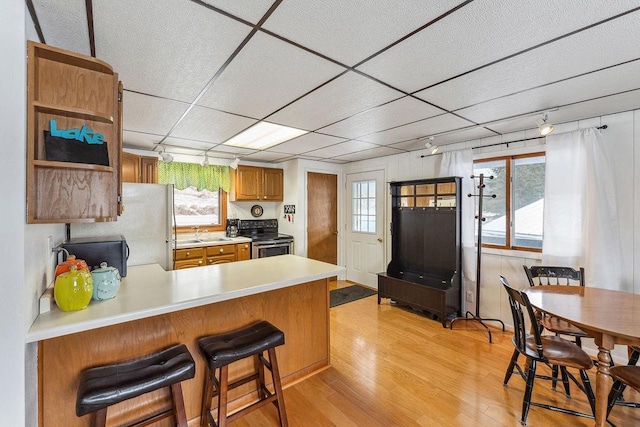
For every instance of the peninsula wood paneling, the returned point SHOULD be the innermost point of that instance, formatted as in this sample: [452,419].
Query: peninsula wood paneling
[300,311]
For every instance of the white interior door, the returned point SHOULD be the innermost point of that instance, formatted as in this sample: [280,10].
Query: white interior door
[365,227]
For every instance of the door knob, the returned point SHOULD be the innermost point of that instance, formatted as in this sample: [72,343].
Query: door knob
[380,239]
[335,232]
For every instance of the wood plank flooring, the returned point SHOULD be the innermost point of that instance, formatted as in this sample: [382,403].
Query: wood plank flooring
[394,367]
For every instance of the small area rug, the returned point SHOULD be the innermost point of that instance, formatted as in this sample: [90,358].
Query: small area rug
[350,293]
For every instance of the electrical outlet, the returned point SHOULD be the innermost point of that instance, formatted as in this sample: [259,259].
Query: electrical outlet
[469,296]
[49,244]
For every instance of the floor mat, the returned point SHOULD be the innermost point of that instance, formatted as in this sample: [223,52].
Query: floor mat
[349,294]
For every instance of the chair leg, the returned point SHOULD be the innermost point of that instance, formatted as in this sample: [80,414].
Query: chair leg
[512,365]
[554,376]
[207,395]
[565,381]
[222,397]
[177,403]
[277,385]
[259,368]
[526,401]
[588,390]
[101,418]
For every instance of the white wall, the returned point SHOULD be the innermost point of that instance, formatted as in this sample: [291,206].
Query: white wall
[12,186]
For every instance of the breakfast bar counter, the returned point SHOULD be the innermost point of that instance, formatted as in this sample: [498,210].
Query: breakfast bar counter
[155,309]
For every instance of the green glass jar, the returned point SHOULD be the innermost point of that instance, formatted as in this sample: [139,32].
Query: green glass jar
[73,289]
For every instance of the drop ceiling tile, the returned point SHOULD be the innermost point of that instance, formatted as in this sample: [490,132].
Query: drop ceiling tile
[172,149]
[345,96]
[249,10]
[369,154]
[342,149]
[392,114]
[479,33]
[145,141]
[583,52]
[266,75]
[452,138]
[305,143]
[611,80]
[351,31]
[427,127]
[64,24]
[205,124]
[582,110]
[143,113]
[187,143]
[162,47]
[230,149]
[265,156]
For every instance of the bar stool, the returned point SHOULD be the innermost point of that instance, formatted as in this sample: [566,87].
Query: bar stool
[103,386]
[221,350]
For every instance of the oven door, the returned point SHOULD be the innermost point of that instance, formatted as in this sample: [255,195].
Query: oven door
[265,249]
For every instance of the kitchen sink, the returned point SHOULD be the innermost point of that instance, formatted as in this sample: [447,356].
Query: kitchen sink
[212,239]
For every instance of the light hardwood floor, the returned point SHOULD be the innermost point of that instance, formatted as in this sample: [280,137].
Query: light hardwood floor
[394,367]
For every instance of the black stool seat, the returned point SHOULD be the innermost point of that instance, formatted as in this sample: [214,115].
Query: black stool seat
[223,349]
[226,348]
[104,386]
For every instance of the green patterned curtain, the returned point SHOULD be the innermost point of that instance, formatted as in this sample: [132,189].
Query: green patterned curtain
[183,175]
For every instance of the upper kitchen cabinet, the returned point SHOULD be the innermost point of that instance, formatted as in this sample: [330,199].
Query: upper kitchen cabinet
[74,137]
[256,183]
[136,168]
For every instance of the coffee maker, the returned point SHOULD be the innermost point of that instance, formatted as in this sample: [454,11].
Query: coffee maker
[232,227]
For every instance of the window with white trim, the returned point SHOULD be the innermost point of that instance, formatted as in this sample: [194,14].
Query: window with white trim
[363,207]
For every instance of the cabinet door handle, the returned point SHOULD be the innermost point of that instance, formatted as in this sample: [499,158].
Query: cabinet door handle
[200,262]
[188,254]
[221,250]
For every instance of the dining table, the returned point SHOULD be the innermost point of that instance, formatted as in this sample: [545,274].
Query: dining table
[609,317]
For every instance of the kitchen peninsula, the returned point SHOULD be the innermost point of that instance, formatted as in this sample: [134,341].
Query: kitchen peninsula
[155,309]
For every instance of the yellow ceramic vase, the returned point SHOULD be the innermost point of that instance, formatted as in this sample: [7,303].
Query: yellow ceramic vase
[73,289]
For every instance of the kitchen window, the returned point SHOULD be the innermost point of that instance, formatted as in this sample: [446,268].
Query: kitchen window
[514,217]
[200,195]
[202,208]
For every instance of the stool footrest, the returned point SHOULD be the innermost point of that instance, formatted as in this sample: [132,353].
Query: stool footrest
[271,398]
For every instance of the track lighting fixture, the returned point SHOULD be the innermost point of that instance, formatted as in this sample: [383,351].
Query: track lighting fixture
[431,147]
[205,162]
[166,156]
[235,163]
[544,127]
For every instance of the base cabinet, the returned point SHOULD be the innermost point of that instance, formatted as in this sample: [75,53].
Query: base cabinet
[210,255]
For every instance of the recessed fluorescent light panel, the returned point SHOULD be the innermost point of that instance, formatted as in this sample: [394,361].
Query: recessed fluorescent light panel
[264,135]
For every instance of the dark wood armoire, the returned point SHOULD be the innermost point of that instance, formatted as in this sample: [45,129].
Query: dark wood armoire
[426,252]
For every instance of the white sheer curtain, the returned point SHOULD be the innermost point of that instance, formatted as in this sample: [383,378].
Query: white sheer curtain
[580,208]
[460,163]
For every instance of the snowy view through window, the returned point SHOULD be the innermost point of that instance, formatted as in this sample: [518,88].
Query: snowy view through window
[193,207]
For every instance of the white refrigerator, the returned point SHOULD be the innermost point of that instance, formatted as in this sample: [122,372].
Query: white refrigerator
[146,224]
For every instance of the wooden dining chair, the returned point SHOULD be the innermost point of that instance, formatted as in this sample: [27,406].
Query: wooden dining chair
[623,376]
[547,349]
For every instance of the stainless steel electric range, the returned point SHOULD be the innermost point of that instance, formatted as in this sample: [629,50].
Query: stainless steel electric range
[265,239]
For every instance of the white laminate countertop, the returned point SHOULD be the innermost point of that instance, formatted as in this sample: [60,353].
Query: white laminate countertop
[148,291]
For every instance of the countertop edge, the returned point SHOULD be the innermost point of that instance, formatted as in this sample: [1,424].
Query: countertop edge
[38,334]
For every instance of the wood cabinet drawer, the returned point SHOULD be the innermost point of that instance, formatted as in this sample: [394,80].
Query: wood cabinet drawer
[189,253]
[221,250]
[221,259]
[189,263]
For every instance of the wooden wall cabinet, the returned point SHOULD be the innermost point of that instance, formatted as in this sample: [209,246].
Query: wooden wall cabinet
[136,168]
[75,91]
[210,255]
[425,271]
[250,183]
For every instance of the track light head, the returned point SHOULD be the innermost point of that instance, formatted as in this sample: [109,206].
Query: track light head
[234,164]
[544,127]
[166,157]
[433,149]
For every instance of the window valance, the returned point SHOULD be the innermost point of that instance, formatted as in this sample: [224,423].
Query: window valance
[183,175]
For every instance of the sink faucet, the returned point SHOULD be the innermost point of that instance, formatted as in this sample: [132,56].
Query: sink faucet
[198,233]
